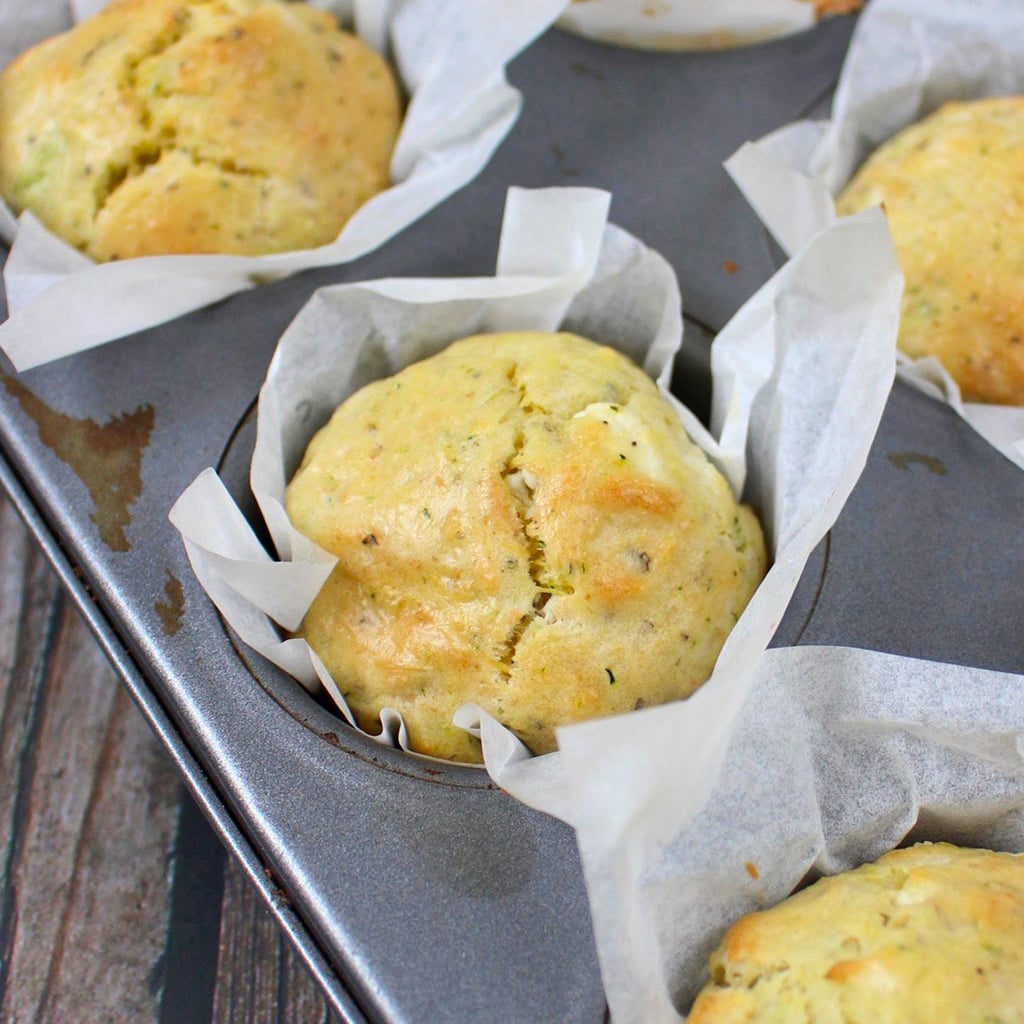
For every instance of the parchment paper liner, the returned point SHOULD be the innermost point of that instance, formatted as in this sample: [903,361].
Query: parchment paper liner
[906,59]
[556,252]
[832,756]
[559,264]
[451,61]
[686,24]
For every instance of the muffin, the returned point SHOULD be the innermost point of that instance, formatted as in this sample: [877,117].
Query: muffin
[522,522]
[930,933]
[183,126]
[951,186]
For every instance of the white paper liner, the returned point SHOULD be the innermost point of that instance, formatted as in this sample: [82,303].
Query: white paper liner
[907,58]
[686,24]
[461,106]
[557,254]
[834,756]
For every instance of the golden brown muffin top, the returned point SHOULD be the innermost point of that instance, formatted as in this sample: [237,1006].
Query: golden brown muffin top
[926,934]
[951,187]
[520,521]
[176,126]
[824,8]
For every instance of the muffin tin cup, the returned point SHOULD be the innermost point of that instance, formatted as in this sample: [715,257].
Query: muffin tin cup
[906,59]
[559,263]
[451,64]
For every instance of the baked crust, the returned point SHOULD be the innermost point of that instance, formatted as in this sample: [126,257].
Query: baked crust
[826,8]
[951,188]
[520,521]
[930,933]
[197,126]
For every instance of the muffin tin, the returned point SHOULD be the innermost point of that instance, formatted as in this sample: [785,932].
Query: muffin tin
[419,892]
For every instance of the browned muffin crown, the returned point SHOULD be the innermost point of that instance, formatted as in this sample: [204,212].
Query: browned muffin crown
[522,522]
[184,126]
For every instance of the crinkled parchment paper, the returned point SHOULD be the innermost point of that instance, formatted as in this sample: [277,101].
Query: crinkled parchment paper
[686,24]
[907,58]
[451,61]
[558,262]
[830,757]
[652,794]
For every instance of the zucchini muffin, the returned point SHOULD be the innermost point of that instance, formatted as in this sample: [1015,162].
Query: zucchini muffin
[931,933]
[197,126]
[522,522]
[951,186]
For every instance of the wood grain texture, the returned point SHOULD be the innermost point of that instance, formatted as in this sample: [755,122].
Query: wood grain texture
[99,857]
[90,812]
[259,977]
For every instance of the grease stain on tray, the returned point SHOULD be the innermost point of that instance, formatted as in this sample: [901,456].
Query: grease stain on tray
[106,457]
[586,71]
[171,609]
[904,460]
[561,159]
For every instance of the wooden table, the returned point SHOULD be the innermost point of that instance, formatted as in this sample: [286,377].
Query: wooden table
[117,900]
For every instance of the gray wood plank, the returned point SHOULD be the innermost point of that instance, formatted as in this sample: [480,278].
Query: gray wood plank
[91,807]
[27,595]
[103,859]
[259,976]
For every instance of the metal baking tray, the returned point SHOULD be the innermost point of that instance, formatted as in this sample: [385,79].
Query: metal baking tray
[419,892]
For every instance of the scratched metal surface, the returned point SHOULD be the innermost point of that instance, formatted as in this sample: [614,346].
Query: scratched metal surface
[427,893]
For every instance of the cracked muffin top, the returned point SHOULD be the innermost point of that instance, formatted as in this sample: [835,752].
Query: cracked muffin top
[951,187]
[925,934]
[197,126]
[522,522]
